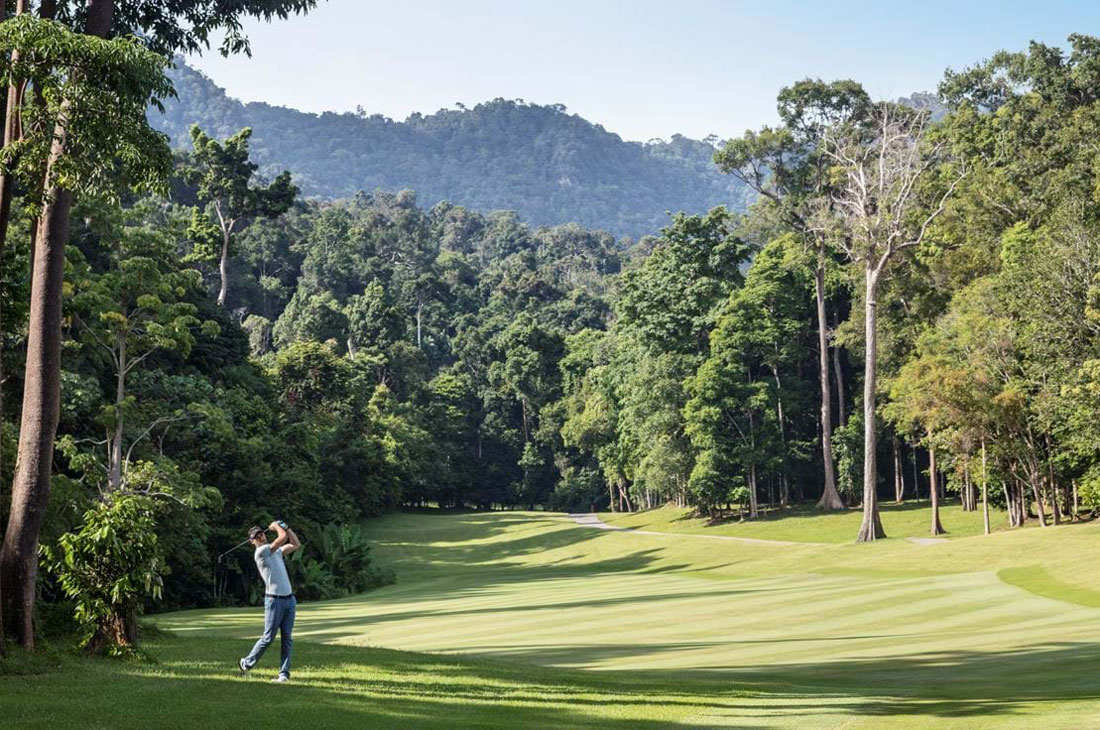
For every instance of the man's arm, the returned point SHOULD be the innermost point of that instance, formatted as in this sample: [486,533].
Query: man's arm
[286,539]
[293,543]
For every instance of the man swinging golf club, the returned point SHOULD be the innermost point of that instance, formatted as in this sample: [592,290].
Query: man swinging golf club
[279,601]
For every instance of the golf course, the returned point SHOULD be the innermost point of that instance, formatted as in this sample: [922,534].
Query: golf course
[540,620]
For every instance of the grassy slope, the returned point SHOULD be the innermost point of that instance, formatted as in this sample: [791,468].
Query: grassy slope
[698,632]
[805,524]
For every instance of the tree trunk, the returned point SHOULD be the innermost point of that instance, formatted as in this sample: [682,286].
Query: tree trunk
[41,400]
[830,498]
[11,114]
[899,476]
[419,309]
[965,496]
[784,496]
[42,381]
[753,501]
[47,10]
[871,528]
[624,498]
[1009,505]
[1035,479]
[115,631]
[754,510]
[1022,510]
[933,476]
[223,267]
[841,397]
[115,466]
[985,491]
[1055,511]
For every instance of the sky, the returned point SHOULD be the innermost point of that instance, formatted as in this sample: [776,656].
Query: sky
[642,69]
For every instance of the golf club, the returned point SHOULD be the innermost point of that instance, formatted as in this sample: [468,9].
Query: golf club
[238,545]
[218,562]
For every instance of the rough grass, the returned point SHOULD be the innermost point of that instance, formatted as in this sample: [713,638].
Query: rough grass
[803,523]
[528,620]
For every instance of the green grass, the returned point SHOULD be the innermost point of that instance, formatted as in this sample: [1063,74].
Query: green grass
[803,523]
[528,620]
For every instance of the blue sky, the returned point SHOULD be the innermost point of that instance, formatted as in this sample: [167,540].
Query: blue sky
[643,69]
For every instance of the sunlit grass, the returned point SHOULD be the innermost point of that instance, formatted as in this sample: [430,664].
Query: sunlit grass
[804,523]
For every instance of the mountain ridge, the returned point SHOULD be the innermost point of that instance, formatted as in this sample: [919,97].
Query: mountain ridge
[548,165]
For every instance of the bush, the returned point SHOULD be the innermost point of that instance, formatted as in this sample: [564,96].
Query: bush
[107,568]
[336,562]
[578,491]
[740,497]
[1088,489]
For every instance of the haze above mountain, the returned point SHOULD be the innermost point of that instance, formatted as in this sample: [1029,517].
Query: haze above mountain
[549,165]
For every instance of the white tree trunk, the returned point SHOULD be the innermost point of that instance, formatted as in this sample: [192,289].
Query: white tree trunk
[871,528]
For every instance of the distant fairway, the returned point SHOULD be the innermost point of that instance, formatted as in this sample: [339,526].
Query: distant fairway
[977,632]
[806,524]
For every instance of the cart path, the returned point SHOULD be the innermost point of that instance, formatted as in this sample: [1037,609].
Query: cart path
[588,519]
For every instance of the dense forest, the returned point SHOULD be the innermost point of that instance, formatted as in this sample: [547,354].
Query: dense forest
[191,345]
[551,166]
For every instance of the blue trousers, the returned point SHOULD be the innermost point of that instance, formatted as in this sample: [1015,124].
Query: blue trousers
[278,616]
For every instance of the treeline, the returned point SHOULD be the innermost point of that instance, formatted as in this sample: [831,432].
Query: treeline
[919,316]
[551,166]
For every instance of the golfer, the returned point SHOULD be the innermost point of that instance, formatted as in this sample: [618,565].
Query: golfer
[279,601]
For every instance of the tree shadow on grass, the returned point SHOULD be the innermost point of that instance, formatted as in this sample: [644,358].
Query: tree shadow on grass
[193,686]
[947,684]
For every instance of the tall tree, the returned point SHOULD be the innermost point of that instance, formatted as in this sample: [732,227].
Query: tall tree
[102,89]
[787,168]
[224,175]
[94,125]
[879,211]
[131,311]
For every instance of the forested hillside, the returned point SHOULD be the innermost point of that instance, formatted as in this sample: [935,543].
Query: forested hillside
[550,166]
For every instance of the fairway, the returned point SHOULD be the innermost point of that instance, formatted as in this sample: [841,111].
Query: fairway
[807,524]
[956,634]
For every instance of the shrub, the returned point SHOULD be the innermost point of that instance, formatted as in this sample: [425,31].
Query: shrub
[107,568]
[740,497]
[336,561]
[578,490]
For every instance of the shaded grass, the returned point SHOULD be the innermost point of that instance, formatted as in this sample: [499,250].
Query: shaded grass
[193,685]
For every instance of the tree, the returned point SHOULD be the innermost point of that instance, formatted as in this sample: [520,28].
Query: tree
[133,310]
[99,131]
[918,406]
[877,208]
[787,167]
[224,175]
[736,416]
[107,568]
